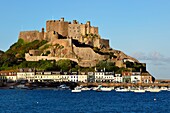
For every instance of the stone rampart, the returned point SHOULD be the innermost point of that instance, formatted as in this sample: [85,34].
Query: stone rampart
[87,53]
[104,43]
[30,36]
[37,58]
[63,42]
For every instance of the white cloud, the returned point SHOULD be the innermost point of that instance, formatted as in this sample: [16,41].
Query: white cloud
[152,57]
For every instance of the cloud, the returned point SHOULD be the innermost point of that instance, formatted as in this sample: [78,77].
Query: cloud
[152,57]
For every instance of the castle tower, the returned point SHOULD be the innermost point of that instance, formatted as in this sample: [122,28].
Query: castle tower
[42,34]
[87,27]
[62,19]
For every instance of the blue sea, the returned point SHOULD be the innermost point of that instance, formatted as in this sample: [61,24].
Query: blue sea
[52,101]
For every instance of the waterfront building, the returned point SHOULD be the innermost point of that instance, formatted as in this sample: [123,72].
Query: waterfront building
[136,77]
[146,78]
[82,77]
[47,76]
[118,78]
[64,76]
[108,77]
[73,77]
[99,76]
[126,77]
[26,74]
[8,76]
[90,77]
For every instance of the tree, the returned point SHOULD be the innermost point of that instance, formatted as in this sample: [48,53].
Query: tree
[66,65]
[108,66]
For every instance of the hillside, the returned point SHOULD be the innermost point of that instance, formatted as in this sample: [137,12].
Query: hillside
[111,60]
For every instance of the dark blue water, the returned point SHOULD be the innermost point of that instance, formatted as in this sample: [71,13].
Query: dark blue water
[50,101]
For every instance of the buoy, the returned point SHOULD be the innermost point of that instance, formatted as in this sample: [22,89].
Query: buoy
[37,102]
[154,99]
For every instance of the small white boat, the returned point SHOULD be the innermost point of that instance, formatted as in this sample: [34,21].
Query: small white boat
[76,89]
[97,88]
[100,88]
[121,89]
[139,91]
[168,89]
[85,89]
[153,90]
[106,89]
[163,88]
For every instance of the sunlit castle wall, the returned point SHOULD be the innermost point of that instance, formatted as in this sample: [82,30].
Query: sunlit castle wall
[59,26]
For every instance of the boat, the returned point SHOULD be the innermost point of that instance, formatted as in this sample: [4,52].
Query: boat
[106,89]
[153,89]
[11,87]
[63,87]
[168,89]
[163,88]
[85,89]
[100,88]
[21,86]
[76,89]
[139,90]
[121,89]
[97,88]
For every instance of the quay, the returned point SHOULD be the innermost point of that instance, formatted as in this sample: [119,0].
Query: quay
[126,84]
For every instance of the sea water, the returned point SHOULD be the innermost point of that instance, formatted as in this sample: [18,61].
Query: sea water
[52,101]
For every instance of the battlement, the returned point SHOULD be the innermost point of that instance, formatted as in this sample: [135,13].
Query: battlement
[74,29]
[70,30]
[29,36]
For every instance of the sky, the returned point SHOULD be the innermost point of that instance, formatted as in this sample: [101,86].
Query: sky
[139,28]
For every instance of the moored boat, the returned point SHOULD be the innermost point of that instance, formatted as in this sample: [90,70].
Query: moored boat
[76,89]
[121,89]
[139,91]
[106,89]
[100,88]
[85,89]
[163,88]
[153,90]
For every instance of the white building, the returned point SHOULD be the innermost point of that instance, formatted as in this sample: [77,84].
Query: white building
[11,78]
[26,74]
[118,78]
[8,76]
[99,76]
[65,77]
[108,77]
[48,76]
[73,77]
[82,77]
[136,77]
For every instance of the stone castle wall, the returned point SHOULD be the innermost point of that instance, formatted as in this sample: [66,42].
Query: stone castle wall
[63,42]
[86,53]
[30,36]
[87,57]
[59,26]
[28,57]
[105,43]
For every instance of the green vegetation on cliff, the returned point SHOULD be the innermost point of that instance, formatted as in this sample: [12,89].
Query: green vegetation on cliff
[15,55]
[14,58]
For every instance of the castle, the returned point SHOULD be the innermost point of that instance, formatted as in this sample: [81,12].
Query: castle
[55,29]
[74,41]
